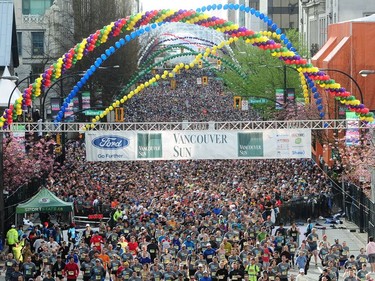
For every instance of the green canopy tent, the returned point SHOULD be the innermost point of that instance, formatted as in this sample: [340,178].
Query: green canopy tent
[44,202]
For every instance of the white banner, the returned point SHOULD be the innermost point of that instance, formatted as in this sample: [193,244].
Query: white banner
[180,145]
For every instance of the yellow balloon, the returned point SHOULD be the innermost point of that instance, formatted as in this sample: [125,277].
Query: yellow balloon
[110,108]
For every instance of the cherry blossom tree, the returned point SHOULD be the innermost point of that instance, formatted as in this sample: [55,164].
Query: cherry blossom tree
[24,160]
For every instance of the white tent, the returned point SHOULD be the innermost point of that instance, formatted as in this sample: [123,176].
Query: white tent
[6,88]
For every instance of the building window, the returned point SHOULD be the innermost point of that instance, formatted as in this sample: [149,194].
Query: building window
[37,42]
[36,69]
[19,43]
[35,7]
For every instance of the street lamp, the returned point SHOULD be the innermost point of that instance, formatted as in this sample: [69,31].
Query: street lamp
[365,73]
[350,77]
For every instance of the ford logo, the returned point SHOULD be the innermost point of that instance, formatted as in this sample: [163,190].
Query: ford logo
[110,142]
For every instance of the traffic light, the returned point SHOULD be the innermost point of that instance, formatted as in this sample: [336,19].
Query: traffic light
[205,80]
[237,102]
[119,114]
[173,84]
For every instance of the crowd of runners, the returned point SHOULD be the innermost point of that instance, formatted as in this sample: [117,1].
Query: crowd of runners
[183,220]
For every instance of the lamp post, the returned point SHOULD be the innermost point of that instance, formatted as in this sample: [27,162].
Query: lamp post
[365,73]
[361,199]
[350,77]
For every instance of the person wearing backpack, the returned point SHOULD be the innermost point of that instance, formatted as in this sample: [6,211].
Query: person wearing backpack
[252,270]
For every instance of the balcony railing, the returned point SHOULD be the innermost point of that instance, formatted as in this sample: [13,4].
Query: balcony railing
[32,19]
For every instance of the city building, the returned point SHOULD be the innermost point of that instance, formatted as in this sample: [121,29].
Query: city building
[8,37]
[316,15]
[283,12]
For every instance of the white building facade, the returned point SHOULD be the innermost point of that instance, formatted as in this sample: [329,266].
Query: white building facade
[316,15]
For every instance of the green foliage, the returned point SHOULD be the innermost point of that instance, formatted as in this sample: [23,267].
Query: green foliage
[263,75]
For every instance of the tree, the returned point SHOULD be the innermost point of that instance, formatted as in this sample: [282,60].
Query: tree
[91,15]
[26,161]
[263,75]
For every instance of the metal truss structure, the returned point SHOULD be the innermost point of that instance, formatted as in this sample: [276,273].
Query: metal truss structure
[48,127]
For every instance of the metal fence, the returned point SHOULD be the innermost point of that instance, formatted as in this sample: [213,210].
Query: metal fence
[360,209]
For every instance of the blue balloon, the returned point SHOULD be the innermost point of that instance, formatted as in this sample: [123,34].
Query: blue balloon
[286,41]
[242,7]
[214,6]
[92,68]
[103,57]
[128,38]
[261,16]
[89,72]
[247,9]
[321,114]
[85,78]
[209,8]
[282,36]
[289,45]
[198,10]
[141,31]
[148,29]
[252,11]
[96,64]
[320,107]
[314,89]
[236,6]
[76,89]
[257,13]
[108,52]
[316,95]
[79,84]
[71,95]
[118,45]
[269,22]
[274,26]
[220,6]
[231,6]
[203,9]
[225,7]
[278,31]
[293,49]
[65,104]
[112,49]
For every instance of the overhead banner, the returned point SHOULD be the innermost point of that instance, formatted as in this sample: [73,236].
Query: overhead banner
[182,145]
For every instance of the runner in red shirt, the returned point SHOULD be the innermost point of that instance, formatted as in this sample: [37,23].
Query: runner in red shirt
[96,241]
[133,246]
[71,270]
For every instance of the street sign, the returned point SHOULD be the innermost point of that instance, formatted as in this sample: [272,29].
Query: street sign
[93,112]
[257,100]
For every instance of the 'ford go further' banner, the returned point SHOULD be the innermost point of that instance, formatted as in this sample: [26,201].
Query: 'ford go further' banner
[178,145]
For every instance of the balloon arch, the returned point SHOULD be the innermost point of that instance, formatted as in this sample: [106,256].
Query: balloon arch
[279,46]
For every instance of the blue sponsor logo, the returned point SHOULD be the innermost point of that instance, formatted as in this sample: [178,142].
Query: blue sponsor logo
[110,142]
